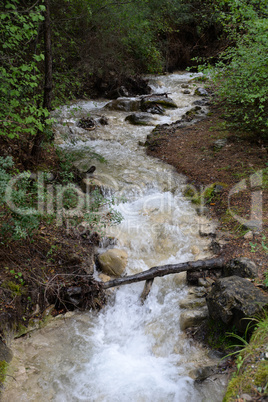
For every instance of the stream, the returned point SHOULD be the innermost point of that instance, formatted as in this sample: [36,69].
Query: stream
[127,351]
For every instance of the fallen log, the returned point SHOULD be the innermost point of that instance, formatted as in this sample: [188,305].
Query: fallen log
[163,270]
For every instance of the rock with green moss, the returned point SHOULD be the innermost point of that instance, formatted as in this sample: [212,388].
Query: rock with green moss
[235,301]
[162,100]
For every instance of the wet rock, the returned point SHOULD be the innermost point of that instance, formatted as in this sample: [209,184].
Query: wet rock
[186,91]
[201,102]
[87,123]
[206,282]
[140,119]
[207,229]
[103,120]
[124,104]
[192,318]
[201,92]
[185,85]
[243,267]
[162,100]
[197,291]
[233,299]
[215,247]
[5,352]
[192,302]
[153,108]
[113,262]
[201,373]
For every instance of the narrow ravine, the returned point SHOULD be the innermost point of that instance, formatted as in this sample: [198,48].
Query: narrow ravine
[128,351]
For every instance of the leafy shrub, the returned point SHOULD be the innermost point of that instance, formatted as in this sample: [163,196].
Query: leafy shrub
[242,74]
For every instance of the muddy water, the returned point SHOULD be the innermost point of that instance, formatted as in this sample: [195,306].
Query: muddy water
[128,352]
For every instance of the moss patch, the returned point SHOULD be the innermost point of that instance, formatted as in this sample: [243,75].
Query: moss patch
[3,369]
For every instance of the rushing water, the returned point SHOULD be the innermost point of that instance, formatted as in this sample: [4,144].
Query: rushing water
[127,352]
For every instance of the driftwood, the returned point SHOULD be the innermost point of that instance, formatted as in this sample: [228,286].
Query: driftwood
[163,270]
[146,290]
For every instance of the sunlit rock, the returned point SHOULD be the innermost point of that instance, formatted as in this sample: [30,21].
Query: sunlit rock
[113,262]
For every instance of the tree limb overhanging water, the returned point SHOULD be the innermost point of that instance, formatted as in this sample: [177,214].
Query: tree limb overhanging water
[165,270]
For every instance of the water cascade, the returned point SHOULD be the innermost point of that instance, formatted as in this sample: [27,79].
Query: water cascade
[128,351]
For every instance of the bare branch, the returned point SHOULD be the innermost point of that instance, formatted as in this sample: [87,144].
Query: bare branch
[165,270]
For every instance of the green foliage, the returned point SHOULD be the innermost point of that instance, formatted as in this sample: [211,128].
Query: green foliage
[20,95]
[242,74]
[22,195]
[20,198]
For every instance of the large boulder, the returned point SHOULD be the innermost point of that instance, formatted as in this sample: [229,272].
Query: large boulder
[201,92]
[243,267]
[124,104]
[162,100]
[234,299]
[141,119]
[113,262]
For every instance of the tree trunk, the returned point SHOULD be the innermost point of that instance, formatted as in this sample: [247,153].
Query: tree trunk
[166,270]
[40,136]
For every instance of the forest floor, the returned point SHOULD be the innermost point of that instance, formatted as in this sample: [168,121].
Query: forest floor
[242,159]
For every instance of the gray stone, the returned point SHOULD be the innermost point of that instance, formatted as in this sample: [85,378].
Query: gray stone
[162,100]
[201,373]
[232,300]
[243,267]
[192,318]
[201,92]
[5,352]
[192,302]
[124,104]
[141,119]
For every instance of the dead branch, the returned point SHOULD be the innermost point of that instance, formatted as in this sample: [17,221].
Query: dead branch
[165,270]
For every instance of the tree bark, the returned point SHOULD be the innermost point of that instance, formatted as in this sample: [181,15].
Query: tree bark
[166,270]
